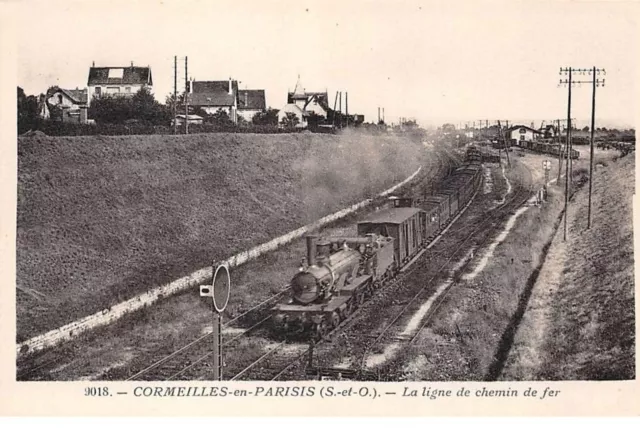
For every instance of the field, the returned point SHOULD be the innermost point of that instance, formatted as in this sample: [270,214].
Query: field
[580,322]
[101,219]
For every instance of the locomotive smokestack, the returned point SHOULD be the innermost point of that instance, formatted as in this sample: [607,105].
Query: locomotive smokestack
[311,249]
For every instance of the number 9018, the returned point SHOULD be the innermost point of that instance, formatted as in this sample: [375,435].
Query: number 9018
[96,391]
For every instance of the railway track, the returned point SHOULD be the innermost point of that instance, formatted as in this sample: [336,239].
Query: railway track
[175,365]
[394,312]
[192,358]
[263,362]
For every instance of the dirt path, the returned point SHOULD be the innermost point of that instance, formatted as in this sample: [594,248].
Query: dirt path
[579,323]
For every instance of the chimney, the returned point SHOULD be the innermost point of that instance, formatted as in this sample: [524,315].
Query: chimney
[311,249]
[131,63]
[93,63]
[230,89]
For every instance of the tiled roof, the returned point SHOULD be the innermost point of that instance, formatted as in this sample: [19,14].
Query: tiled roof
[120,75]
[517,127]
[213,93]
[251,100]
[78,96]
[321,97]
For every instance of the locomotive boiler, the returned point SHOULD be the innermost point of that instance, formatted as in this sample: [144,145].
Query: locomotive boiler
[336,277]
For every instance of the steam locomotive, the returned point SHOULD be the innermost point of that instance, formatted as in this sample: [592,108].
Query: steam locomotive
[341,273]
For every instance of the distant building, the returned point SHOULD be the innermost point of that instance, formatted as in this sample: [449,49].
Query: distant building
[250,103]
[311,102]
[212,96]
[193,119]
[117,81]
[295,109]
[519,133]
[68,98]
[550,131]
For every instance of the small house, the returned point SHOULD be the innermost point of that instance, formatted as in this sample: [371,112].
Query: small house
[212,96]
[250,103]
[521,133]
[193,119]
[68,98]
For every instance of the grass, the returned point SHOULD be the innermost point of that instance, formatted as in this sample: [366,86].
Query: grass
[580,323]
[592,335]
[101,219]
[472,333]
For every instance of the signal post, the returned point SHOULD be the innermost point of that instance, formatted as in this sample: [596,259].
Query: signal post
[219,291]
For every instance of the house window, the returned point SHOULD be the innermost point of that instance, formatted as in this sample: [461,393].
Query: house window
[127,89]
[98,91]
[60,99]
[522,137]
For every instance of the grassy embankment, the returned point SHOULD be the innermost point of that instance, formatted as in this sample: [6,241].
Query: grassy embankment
[101,219]
[580,322]
[473,330]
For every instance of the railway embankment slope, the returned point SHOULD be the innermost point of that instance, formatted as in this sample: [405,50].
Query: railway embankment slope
[580,321]
[101,219]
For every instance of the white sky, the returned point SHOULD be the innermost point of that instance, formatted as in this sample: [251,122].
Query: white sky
[435,61]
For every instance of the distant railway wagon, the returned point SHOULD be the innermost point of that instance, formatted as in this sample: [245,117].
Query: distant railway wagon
[548,148]
[438,205]
[340,273]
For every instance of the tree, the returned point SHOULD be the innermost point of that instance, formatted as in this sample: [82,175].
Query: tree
[448,127]
[110,109]
[585,129]
[267,117]
[119,109]
[221,118]
[27,111]
[291,120]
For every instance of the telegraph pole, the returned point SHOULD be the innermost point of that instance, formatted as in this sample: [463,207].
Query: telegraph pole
[175,93]
[186,96]
[335,103]
[561,152]
[346,106]
[340,109]
[566,177]
[595,82]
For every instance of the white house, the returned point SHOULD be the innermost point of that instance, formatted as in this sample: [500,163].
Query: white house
[312,102]
[117,81]
[299,112]
[212,96]
[68,98]
[519,133]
